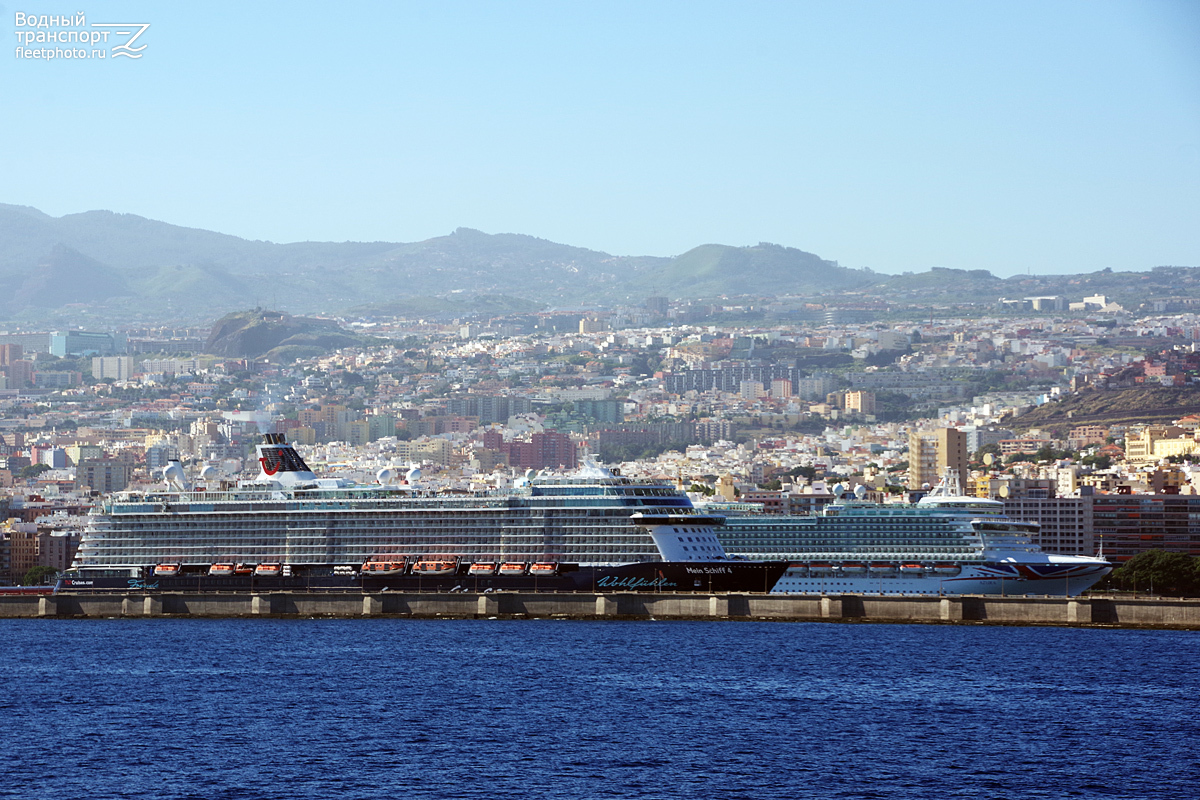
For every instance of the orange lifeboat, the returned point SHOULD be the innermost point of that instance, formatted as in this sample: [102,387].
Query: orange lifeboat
[512,568]
[431,567]
[222,569]
[167,570]
[384,567]
[482,569]
[272,569]
[544,568]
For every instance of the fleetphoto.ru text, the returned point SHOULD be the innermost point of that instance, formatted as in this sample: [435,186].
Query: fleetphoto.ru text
[48,37]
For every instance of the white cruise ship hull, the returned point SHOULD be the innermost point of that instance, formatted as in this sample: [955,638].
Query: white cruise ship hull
[1065,580]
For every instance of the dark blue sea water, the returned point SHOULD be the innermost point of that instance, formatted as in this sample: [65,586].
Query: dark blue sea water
[533,709]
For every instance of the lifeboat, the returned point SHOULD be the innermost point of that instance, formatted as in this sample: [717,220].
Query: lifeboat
[512,568]
[912,568]
[881,567]
[482,569]
[853,567]
[947,569]
[797,568]
[430,567]
[384,567]
[272,569]
[820,566]
[221,569]
[544,568]
[243,569]
[167,570]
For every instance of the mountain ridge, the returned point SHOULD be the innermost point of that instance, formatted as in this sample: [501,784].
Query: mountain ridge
[217,271]
[142,267]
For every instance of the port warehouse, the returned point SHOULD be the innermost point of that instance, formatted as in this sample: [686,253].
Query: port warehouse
[1100,610]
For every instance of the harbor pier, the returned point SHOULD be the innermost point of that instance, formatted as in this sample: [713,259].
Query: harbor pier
[1090,611]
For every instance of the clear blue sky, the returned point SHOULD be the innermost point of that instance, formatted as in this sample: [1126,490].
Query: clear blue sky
[1008,136]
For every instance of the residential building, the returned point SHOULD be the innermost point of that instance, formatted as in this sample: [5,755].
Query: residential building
[1124,525]
[118,368]
[57,379]
[22,548]
[781,389]
[931,453]
[751,390]
[860,402]
[56,549]
[103,474]
[1066,522]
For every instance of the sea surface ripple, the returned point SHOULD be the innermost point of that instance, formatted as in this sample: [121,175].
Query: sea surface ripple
[393,708]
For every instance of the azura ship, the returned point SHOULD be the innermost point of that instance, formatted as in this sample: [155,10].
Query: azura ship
[288,529]
[946,543]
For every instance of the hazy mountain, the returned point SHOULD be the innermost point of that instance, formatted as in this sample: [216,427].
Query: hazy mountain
[160,266]
[456,305]
[764,269]
[129,265]
[64,276]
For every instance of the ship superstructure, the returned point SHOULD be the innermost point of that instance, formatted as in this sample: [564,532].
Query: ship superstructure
[946,543]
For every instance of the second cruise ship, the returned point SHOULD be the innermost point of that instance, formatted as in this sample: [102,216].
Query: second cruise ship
[946,543]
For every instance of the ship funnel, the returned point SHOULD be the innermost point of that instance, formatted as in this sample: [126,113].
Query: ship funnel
[280,463]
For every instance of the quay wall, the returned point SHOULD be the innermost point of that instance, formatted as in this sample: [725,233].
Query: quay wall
[1099,611]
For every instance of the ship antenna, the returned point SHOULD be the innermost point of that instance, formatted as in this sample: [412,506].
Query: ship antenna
[949,485]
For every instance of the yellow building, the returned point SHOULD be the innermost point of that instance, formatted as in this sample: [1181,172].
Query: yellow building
[931,453]
[1155,442]
[860,402]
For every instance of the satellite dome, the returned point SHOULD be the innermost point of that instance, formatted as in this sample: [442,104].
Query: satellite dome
[210,472]
[413,475]
[173,474]
[860,491]
[839,489]
[385,475]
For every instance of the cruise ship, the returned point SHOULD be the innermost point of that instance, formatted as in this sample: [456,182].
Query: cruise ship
[289,529]
[944,544]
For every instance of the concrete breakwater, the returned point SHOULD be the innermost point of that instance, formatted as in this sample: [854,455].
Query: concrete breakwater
[1100,611]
